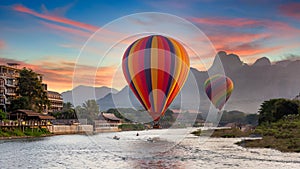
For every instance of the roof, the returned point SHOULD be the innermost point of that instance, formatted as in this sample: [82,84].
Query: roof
[31,113]
[53,92]
[110,116]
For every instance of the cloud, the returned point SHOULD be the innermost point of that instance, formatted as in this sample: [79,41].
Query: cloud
[177,4]
[54,18]
[290,10]
[230,22]
[58,74]
[67,29]
[284,27]
[250,49]
[233,35]
[292,57]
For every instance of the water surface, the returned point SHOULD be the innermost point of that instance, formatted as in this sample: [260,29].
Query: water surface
[168,150]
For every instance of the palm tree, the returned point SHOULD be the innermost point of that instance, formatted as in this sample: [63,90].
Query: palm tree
[90,111]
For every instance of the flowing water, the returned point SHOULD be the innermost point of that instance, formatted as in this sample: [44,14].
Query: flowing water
[163,150]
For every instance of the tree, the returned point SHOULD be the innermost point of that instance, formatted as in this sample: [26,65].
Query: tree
[89,111]
[31,91]
[2,115]
[275,109]
[252,119]
[68,112]
[20,103]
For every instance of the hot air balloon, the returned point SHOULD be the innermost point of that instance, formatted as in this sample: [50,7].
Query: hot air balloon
[218,88]
[155,68]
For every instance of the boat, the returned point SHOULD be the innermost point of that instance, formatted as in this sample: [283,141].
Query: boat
[150,139]
[116,138]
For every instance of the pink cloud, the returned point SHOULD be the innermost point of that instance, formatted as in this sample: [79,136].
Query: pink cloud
[291,10]
[246,23]
[231,22]
[67,29]
[49,17]
[59,74]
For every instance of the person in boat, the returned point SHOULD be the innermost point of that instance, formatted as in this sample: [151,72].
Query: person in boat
[137,134]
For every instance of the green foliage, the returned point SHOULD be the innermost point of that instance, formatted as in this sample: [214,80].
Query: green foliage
[2,115]
[89,110]
[117,113]
[238,117]
[20,103]
[33,95]
[131,127]
[68,112]
[232,117]
[283,134]
[275,109]
[251,119]
[36,132]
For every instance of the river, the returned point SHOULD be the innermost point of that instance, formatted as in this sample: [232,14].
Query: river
[166,149]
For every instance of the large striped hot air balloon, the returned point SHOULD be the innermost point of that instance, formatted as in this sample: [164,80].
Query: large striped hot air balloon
[156,68]
[218,88]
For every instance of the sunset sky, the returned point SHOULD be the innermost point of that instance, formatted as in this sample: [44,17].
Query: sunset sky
[47,35]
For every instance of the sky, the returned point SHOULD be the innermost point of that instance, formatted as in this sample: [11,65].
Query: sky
[47,35]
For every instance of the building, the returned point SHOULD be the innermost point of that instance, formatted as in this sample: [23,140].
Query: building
[9,75]
[56,101]
[107,122]
[8,84]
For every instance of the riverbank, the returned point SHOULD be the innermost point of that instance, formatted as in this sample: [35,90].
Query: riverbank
[282,135]
[16,133]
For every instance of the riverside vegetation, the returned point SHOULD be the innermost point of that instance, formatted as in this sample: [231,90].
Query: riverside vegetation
[278,125]
[16,132]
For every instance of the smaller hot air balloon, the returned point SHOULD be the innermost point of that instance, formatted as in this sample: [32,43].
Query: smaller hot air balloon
[218,88]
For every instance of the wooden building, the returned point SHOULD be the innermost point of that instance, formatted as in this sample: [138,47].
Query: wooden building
[29,117]
[107,122]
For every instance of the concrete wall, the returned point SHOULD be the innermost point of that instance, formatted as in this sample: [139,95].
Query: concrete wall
[70,129]
[106,129]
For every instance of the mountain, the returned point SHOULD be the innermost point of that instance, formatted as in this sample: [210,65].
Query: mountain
[262,62]
[83,93]
[254,84]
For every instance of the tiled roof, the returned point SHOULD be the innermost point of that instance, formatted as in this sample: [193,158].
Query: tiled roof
[110,116]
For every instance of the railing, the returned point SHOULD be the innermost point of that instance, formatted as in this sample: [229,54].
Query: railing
[29,123]
[10,74]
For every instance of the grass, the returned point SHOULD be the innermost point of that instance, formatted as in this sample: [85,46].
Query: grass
[223,133]
[131,127]
[17,132]
[283,135]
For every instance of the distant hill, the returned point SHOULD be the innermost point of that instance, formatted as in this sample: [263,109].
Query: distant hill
[84,93]
[253,84]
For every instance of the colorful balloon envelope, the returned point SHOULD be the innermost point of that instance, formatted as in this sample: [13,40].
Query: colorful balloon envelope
[155,68]
[218,88]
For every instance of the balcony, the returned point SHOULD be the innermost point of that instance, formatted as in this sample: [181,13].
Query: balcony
[11,94]
[11,85]
[11,75]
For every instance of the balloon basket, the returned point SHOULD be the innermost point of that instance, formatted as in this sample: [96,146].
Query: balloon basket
[156,126]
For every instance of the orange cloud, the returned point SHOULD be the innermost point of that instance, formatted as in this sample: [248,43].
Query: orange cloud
[247,23]
[290,10]
[59,74]
[271,37]
[23,9]
[67,29]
